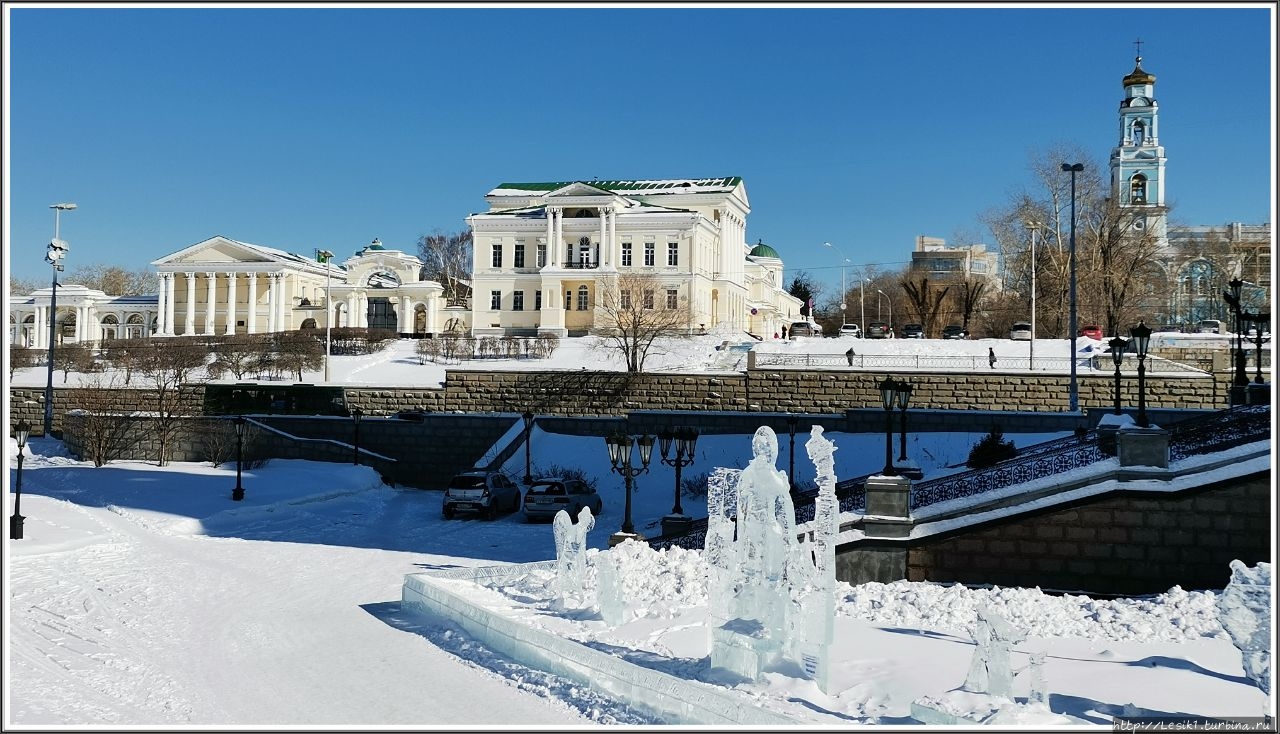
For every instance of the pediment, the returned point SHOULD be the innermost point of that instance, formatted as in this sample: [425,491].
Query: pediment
[578,189]
[215,251]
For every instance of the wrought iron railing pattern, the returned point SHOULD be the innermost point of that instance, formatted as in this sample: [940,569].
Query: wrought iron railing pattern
[1201,435]
[1097,364]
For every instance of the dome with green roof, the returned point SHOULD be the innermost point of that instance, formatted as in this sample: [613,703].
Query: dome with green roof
[763,250]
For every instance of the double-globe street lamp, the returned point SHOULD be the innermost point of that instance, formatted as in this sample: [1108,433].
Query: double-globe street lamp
[328,310]
[1232,298]
[527,417]
[1074,394]
[57,252]
[791,467]
[20,434]
[888,396]
[1118,345]
[620,449]
[685,439]
[237,494]
[356,415]
[904,397]
[1141,338]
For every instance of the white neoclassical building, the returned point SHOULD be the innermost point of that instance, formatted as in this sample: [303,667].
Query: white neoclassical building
[83,315]
[543,252]
[224,287]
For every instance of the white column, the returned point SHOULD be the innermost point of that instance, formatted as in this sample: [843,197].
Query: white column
[559,242]
[272,292]
[433,303]
[613,237]
[363,316]
[251,322]
[352,320]
[598,254]
[283,302]
[209,302]
[231,304]
[190,327]
[161,303]
[406,320]
[169,326]
[81,315]
[41,327]
[551,232]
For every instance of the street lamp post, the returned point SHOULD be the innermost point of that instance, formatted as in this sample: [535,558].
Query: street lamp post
[888,395]
[843,260]
[1233,300]
[356,415]
[890,302]
[1258,320]
[904,397]
[686,441]
[237,494]
[1034,227]
[1117,344]
[862,305]
[328,311]
[1141,338]
[791,469]
[57,251]
[20,434]
[620,445]
[1074,394]
[527,416]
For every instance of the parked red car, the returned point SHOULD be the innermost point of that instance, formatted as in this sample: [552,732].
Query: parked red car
[1092,331]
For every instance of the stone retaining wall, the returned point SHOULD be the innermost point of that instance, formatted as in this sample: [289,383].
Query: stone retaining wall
[1122,543]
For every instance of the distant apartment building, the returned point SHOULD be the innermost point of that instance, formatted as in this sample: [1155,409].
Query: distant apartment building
[934,259]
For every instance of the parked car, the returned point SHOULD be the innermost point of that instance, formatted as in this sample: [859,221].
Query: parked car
[417,416]
[852,330]
[550,495]
[877,330]
[954,331]
[913,331]
[1093,331]
[803,328]
[485,492]
[1211,326]
[1021,331]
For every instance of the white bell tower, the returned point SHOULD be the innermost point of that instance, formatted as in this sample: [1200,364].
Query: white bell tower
[1138,162]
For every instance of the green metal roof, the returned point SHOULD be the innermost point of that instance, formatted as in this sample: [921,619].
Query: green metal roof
[763,250]
[674,185]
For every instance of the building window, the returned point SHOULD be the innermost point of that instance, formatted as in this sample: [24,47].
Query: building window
[495,257]
[624,300]
[673,253]
[626,254]
[568,300]
[519,255]
[1138,189]
[671,298]
[649,249]
[495,300]
[517,301]
[542,256]
[582,298]
[648,300]
[537,300]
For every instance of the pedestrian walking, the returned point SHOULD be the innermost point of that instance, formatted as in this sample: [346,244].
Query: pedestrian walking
[784,332]
[991,356]
[849,356]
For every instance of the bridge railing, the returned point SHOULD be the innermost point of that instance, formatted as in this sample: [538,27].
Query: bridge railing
[1101,364]
[1219,431]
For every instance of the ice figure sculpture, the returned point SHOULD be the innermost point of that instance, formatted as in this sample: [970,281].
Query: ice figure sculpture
[722,504]
[991,670]
[1244,610]
[609,595]
[571,548]
[1039,685]
[755,561]
[813,570]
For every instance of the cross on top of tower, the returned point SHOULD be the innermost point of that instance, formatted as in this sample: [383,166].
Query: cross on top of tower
[1138,45]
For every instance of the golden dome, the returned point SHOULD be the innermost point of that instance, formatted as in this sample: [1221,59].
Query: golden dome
[1138,76]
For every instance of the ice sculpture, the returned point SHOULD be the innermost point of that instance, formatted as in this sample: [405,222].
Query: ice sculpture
[609,595]
[990,670]
[1244,610]
[751,564]
[571,548]
[1039,693]
[722,504]
[813,569]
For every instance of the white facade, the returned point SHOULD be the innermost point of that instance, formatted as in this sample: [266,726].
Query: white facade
[224,287]
[83,315]
[544,252]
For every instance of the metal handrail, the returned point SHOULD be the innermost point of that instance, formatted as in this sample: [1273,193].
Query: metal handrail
[1219,431]
[1092,363]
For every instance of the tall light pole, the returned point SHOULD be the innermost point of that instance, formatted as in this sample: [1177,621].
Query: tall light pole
[57,251]
[862,304]
[20,434]
[890,301]
[620,445]
[1034,227]
[843,260]
[1074,395]
[328,312]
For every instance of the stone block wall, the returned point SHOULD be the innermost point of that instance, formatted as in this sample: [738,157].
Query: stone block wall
[1122,543]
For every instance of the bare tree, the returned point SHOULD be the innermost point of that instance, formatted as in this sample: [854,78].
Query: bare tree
[634,312]
[72,357]
[104,411]
[21,358]
[925,300]
[239,354]
[168,365]
[971,293]
[24,286]
[113,280]
[122,353]
[297,352]
[1115,259]
[447,259]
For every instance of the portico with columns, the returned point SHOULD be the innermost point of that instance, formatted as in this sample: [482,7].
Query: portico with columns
[84,315]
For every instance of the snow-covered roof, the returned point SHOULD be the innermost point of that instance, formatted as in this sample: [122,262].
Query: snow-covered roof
[656,186]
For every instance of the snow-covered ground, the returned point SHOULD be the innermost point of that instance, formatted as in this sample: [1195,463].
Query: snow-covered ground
[143,595]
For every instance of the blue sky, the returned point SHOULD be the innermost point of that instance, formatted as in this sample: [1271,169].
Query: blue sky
[300,128]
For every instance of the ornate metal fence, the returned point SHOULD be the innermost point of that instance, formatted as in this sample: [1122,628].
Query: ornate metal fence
[1219,431]
[943,362]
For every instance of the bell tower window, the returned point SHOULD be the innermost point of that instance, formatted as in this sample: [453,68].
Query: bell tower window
[1139,132]
[1138,189]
